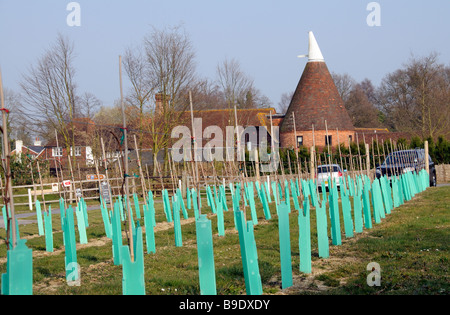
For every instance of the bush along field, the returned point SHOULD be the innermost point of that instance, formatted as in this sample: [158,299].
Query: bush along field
[386,236]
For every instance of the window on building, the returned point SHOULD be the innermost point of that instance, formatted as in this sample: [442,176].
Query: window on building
[77,151]
[328,140]
[57,151]
[299,141]
[350,138]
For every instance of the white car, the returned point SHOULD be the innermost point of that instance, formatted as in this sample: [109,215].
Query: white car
[324,172]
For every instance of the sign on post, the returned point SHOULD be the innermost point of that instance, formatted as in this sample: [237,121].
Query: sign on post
[66,183]
[104,187]
[95,177]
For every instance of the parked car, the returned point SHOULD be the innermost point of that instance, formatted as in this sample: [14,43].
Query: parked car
[403,161]
[324,172]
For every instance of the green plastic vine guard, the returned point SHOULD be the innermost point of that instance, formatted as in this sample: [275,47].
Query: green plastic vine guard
[322,230]
[116,234]
[48,230]
[249,255]
[304,223]
[39,218]
[18,279]
[133,281]
[176,221]
[72,272]
[81,223]
[150,223]
[205,252]
[334,216]
[285,245]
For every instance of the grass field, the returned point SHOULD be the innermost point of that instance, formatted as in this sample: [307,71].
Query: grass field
[411,246]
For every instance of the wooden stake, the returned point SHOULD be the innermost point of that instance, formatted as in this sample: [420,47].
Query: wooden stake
[141,173]
[125,177]
[196,178]
[8,195]
[107,175]
[42,186]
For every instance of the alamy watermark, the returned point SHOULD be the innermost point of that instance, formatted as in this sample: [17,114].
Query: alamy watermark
[74,17]
[374,278]
[374,17]
[232,147]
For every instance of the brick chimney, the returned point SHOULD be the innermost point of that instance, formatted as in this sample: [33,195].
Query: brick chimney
[161,101]
[37,142]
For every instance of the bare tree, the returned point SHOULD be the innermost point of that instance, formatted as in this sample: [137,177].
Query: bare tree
[163,68]
[17,120]
[344,84]
[415,98]
[361,110]
[170,58]
[285,101]
[234,82]
[89,105]
[143,86]
[49,91]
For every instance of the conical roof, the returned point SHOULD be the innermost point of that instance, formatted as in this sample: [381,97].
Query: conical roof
[316,98]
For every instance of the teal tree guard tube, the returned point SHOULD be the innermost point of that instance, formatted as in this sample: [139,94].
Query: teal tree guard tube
[312,190]
[294,190]
[81,224]
[62,211]
[249,255]
[276,198]
[116,234]
[5,220]
[251,201]
[210,199]
[305,237]
[150,223]
[195,203]
[149,229]
[122,213]
[18,279]
[105,217]
[188,195]
[387,194]
[346,211]
[285,246]
[324,190]
[224,198]
[305,189]
[395,192]
[176,221]
[366,205]
[263,198]
[167,209]
[85,213]
[220,220]
[137,207]
[266,187]
[376,201]
[351,186]
[181,201]
[334,216]
[133,282]
[39,218]
[322,230]
[72,271]
[48,230]
[357,212]
[287,199]
[205,252]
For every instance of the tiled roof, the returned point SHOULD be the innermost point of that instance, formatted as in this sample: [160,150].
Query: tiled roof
[315,101]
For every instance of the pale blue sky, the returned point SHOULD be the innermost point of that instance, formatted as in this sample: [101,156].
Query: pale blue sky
[265,36]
